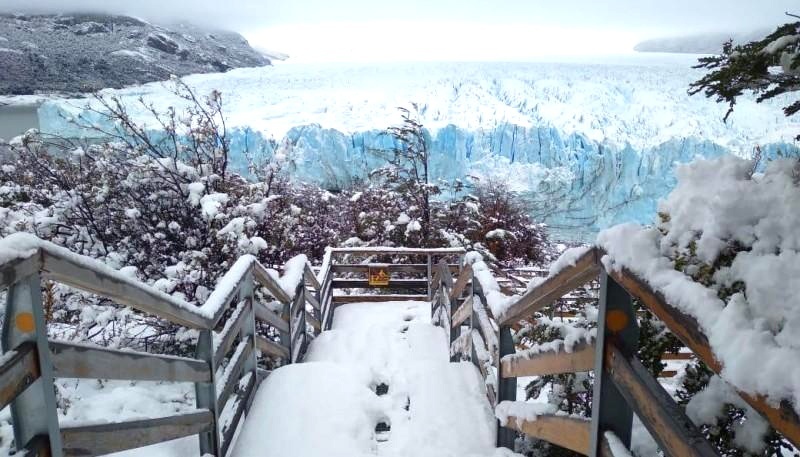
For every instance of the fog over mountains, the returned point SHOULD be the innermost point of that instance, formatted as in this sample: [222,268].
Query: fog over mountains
[710,43]
[72,53]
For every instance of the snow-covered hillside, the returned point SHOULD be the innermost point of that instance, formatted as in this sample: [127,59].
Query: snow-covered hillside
[590,144]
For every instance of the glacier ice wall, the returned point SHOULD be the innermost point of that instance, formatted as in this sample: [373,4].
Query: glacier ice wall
[576,185]
[588,146]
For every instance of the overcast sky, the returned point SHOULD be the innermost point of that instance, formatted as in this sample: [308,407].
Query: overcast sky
[335,30]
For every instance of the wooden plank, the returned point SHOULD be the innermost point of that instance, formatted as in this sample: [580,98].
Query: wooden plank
[435,281]
[783,417]
[463,279]
[232,332]
[666,421]
[234,373]
[100,439]
[400,250]
[72,360]
[311,299]
[484,365]
[585,269]
[242,400]
[393,284]
[444,273]
[420,268]
[668,374]
[463,312]
[265,315]
[677,356]
[567,432]
[18,372]
[38,446]
[138,296]
[341,299]
[232,290]
[17,269]
[271,348]
[262,277]
[460,345]
[311,278]
[549,362]
[313,321]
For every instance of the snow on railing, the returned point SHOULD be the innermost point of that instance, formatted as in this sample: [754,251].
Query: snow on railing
[26,259]
[628,270]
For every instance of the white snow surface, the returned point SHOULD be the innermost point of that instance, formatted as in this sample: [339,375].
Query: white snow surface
[327,406]
[566,259]
[497,301]
[618,448]
[527,411]
[717,202]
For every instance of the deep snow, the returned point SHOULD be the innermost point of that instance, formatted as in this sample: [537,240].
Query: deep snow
[327,406]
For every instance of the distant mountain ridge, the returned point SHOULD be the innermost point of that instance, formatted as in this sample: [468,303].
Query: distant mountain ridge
[71,53]
[710,43]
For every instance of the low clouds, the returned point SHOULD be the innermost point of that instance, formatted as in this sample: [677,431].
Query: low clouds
[442,29]
[230,14]
[678,16]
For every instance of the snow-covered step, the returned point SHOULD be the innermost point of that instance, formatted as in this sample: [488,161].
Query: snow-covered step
[379,383]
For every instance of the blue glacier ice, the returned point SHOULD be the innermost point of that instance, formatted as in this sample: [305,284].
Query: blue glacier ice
[588,146]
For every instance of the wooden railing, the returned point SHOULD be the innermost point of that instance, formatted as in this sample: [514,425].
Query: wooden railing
[622,385]
[340,272]
[224,369]
[460,306]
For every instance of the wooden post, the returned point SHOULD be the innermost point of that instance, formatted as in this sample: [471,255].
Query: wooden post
[297,323]
[286,337]
[33,413]
[616,322]
[506,387]
[206,394]
[455,332]
[430,267]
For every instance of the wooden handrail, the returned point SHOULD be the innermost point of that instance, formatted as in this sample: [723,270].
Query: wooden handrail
[90,440]
[461,282]
[567,432]
[557,361]
[36,259]
[667,423]
[398,250]
[393,267]
[17,372]
[311,278]
[72,360]
[783,417]
[554,287]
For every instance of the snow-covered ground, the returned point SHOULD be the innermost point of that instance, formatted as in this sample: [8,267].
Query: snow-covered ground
[592,144]
[328,406]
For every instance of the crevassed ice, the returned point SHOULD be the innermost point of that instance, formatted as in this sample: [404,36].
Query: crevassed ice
[590,145]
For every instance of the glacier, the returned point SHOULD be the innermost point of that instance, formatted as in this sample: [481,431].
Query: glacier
[588,144]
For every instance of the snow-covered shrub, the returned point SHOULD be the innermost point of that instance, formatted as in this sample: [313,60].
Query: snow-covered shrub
[161,205]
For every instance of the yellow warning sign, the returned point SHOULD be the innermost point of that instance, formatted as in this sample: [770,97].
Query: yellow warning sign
[379,275]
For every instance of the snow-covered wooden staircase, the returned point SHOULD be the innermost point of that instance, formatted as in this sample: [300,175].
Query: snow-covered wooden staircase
[422,372]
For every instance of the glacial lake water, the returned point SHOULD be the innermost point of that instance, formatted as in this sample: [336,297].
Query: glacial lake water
[16,119]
